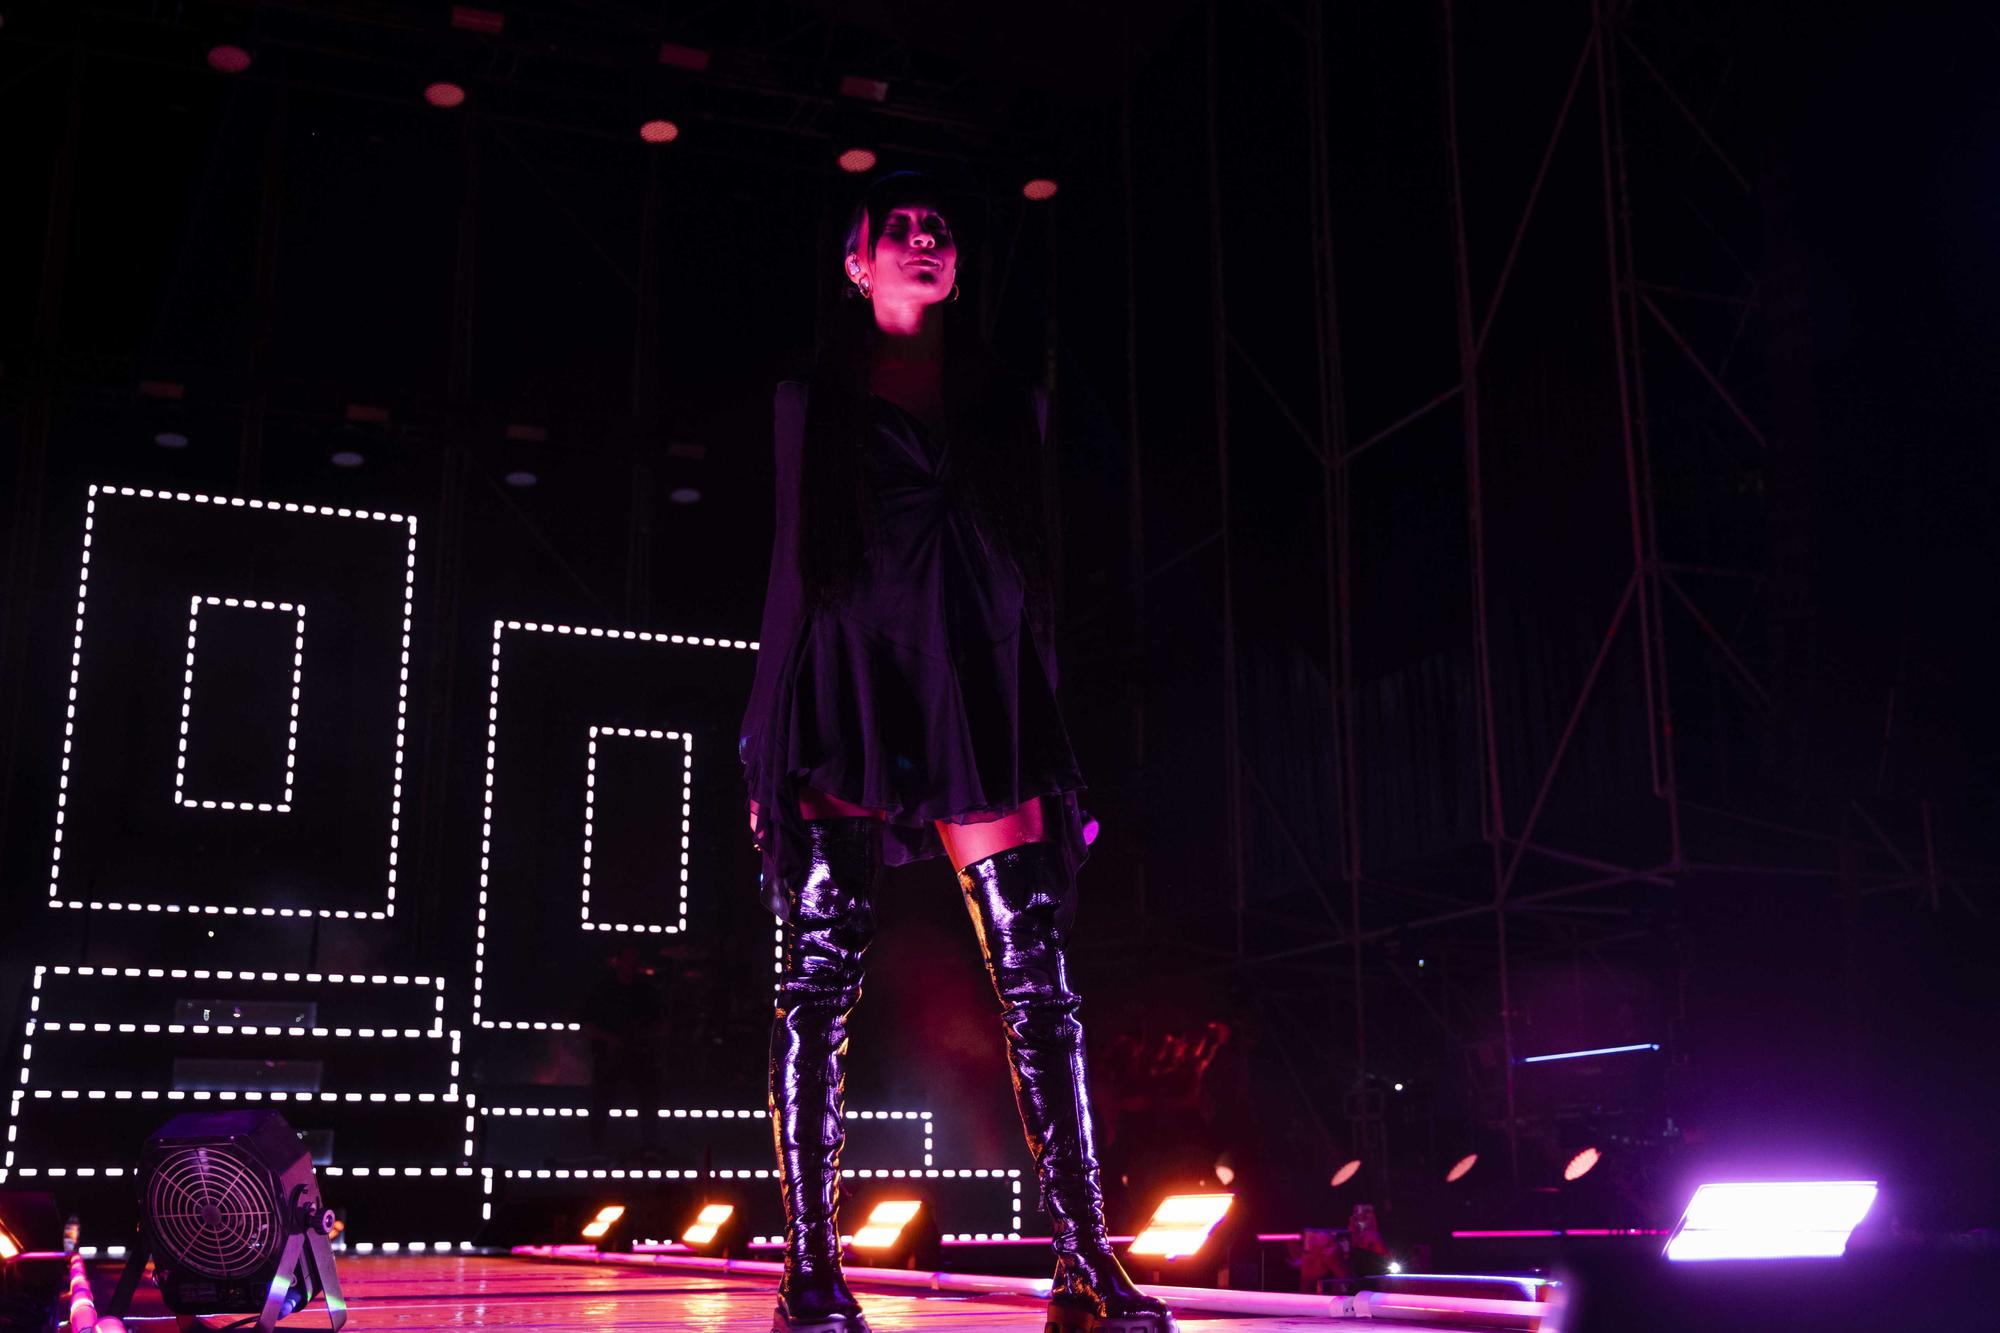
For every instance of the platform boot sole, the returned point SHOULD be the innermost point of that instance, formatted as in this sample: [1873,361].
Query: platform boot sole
[1072,1319]
[837,1323]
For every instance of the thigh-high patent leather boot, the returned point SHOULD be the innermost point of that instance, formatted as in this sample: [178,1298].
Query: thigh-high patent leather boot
[832,923]
[1021,903]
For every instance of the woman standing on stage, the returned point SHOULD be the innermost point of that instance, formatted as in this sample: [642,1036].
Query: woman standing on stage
[905,709]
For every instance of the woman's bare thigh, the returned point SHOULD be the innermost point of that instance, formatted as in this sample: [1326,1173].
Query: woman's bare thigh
[977,839]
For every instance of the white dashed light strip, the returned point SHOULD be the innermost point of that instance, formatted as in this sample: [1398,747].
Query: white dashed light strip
[377,1172]
[762,1113]
[761,1173]
[75,673]
[500,627]
[921,1118]
[288,978]
[487,1174]
[283,805]
[590,818]
[210,974]
[237,1030]
[228,1095]
[408,1246]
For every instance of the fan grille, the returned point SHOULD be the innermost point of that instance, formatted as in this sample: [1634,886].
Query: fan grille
[212,1213]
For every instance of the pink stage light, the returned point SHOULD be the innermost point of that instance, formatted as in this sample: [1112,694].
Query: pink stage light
[857,160]
[1039,189]
[228,59]
[444,95]
[1796,1219]
[1579,1165]
[1461,1168]
[659,131]
[1345,1174]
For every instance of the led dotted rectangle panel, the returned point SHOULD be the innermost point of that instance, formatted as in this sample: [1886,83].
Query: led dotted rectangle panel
[188,675]
[603,747]
[686,807]
[283,804]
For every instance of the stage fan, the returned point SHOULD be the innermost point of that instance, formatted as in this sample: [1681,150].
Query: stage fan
[230,1215]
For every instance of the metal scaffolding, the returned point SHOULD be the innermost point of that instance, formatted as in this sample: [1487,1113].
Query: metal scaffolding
[1357,910]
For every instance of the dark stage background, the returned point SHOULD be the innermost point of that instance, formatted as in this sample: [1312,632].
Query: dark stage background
[1527,498]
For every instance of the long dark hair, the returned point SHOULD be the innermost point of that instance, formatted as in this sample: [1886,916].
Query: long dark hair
[997,463]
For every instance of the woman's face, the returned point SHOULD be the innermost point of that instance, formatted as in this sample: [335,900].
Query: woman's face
[915,259]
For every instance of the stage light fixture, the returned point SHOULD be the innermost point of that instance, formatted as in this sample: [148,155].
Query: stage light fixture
[444,95]
[1039,189]
[231,1216]
[226,59]
[519,478]
[1799,1219]
[600,1226]
[716,1230]
[1345,1173]
[347,458]
[684,495]
[659,131]
[1461,1168]
[1580,1165]
[1181,1225]
[857,160]
[171,439]
[899,1233]
[33,1265]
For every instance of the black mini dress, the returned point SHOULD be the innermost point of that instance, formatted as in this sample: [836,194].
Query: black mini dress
[927,692]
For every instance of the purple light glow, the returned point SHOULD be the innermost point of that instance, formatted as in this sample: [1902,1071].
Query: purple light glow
[1794,1219]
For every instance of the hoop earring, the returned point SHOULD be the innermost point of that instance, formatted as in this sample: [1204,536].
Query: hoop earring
[954,293]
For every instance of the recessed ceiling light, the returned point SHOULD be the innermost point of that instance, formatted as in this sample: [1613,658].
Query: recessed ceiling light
[347,458]
[521,479]
[684,495]
[171,439]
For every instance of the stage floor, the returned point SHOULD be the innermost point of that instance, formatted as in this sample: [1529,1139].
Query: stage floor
[443,1292]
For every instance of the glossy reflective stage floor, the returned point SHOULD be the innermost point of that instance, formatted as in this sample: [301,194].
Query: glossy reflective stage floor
[470,1293]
